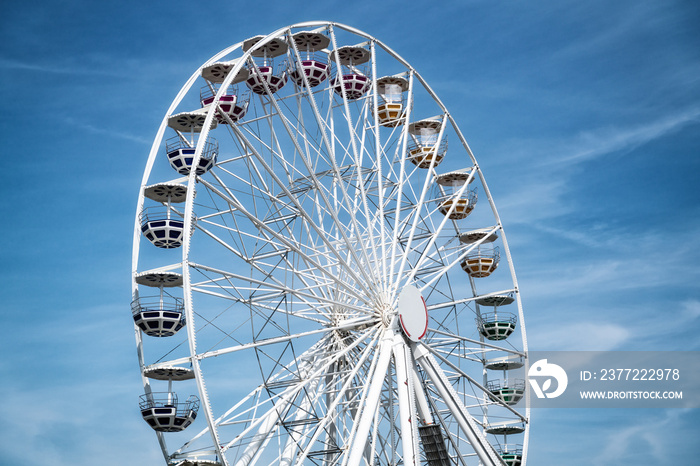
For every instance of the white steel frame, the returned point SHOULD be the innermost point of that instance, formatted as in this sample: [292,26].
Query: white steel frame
[297,244]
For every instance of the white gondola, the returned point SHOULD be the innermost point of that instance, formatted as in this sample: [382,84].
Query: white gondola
[425,148]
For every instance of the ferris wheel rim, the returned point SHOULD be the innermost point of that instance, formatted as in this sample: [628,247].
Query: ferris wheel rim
[192,180]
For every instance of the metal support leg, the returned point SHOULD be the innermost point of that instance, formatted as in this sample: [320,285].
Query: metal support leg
[483,449]
[357,448]
[404,389]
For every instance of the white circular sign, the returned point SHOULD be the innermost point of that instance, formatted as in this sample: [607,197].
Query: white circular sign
[413,313]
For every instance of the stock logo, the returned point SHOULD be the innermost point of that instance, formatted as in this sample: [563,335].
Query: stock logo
[544,370]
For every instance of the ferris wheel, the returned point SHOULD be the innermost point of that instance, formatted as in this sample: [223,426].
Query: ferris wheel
[317,277]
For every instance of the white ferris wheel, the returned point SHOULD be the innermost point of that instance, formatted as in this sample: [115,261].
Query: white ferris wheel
[317,277]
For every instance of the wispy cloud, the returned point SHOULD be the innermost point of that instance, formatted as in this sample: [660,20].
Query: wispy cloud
[539,190]
[610,275]
[652,439]
[619,261]
[104,131]
[579,336]
[608,328]
[73,423]
[52,68]
[99,65]
[691,308]
[592,144]
[620,23]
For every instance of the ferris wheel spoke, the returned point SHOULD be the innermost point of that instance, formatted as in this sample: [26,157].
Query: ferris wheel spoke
[323,125]
[267,295]
[332,210]
[365,413]
[297,424]
[408,256]
[329,208]
[266,424]
[280,251]
[254,184]
[403,140]
[354,323]
[302,417]
[250,138]
[311,371]
[237,416]
[337,404]
[312,306]
[483,390]
[459,257]
[454,337]
[355,151]
[254,395]
[439,229]
[483,449]
[379,156]
[268,307]
[302,213]
[366,186]
[231,248]
[419,205]
[269,300]
[312,151]
[289,244]
[334,398]
[257,263]
[281,289]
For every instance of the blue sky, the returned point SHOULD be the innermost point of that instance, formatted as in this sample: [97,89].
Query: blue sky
[584,116]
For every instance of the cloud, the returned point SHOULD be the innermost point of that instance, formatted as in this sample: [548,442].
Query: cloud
[104,131]
[72,424]
[578,336]
[690,309]
[532,198]
[588,275]
[50,68]
[14,65]
[621,23]
[589,145]
[538,189]
[619,442]
[652,440]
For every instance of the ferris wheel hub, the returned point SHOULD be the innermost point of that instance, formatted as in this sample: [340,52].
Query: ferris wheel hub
[385,312]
